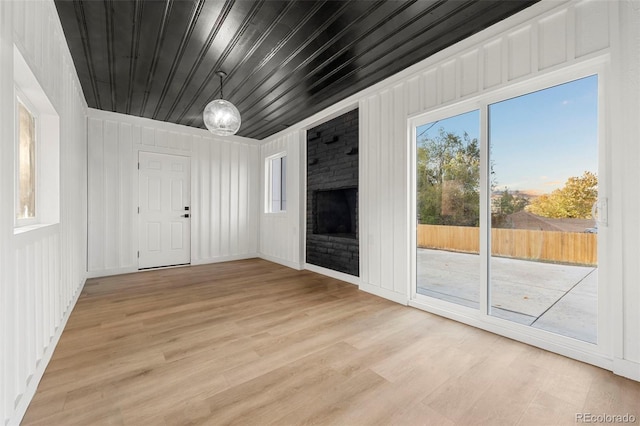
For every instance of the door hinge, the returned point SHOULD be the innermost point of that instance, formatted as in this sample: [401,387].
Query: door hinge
[138,165]
[138,255]
[138,210]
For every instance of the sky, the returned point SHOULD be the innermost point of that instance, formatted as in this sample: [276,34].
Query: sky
[538,140]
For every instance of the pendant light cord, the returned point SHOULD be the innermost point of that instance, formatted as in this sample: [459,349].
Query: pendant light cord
[221,95]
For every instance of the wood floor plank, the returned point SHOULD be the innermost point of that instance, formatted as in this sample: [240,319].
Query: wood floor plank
[255,343]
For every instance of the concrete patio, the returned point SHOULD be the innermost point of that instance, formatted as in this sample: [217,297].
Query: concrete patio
[558,298]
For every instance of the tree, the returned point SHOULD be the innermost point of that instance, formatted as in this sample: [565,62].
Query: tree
[510,203]
[507,204]
[574,200]
[448,180]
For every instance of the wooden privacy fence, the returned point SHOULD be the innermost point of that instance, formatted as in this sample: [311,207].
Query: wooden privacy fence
[564,247]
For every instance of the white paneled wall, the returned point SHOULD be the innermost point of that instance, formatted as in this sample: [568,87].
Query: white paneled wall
[41,270]
[384,226]
[225,199]
[281,234]
[224,190]
[546,38]
[624,134]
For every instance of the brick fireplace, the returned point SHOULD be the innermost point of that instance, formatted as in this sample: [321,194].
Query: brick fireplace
[332,194]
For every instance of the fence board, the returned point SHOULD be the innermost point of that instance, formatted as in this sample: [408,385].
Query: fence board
[563,247]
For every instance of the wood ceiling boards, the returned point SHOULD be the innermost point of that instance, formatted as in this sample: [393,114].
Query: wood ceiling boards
[285,60]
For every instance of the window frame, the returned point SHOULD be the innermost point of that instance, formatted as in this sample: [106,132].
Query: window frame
[269,181]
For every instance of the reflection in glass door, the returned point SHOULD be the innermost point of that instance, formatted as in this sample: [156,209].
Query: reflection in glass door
[544,187]
[448,209]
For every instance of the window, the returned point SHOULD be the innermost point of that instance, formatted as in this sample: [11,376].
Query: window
[276,168]
[36,151]
[26,203]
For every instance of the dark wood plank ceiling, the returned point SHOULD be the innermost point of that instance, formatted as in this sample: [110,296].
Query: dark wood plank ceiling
[285,60]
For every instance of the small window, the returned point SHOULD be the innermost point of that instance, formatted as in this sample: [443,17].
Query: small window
[36,153]
[26,191]
[276,167]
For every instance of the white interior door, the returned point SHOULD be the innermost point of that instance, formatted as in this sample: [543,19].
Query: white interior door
[164,210]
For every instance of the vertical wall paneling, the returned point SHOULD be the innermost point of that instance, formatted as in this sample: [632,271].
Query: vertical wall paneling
[591,35]
[519,55]
[373,143]
[243,198]
[364,190]
[111,191]
[399,193]
[95,182]
[126,205]
[492,63]
[469,73]
[222,189]
[552,36]
[225,185]
[215,206]
[385,189]
[233,202]
[448,80]
[625,134]
[204,191]
[430,91]
[7,354]
[43,269]
[413,95]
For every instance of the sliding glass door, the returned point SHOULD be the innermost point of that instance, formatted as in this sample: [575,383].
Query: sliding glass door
[544,188]
[448,209]
[505,203]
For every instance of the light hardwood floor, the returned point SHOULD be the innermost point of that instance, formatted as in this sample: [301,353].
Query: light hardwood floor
[251,342]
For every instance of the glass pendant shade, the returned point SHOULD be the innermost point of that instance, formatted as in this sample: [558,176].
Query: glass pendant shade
[221,117]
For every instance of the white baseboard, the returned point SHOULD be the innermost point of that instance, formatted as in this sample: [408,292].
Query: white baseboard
[132,269]
[383,292]
[626,368]
[283,262]
[109,272]
[219,259]
[41,366]
[333,274]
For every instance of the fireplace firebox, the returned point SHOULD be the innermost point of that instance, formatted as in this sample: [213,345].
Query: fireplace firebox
[335,212]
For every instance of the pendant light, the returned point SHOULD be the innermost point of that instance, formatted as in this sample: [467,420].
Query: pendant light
[221,117]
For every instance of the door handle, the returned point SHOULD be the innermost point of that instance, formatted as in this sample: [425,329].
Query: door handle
[185,215]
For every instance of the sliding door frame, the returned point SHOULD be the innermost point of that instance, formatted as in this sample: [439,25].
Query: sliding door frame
[599,354]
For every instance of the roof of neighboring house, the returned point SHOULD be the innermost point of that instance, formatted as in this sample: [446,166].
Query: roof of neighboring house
[526,220]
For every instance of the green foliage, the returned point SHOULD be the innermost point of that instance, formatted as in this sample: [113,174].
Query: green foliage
[574,200]
[508,203]
[448,180]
